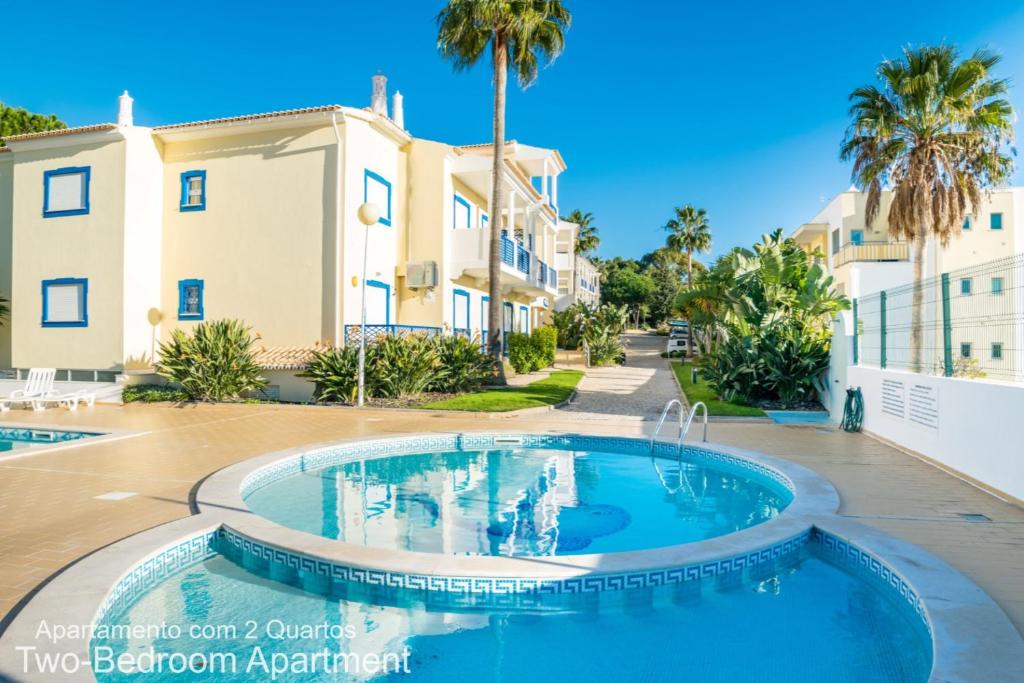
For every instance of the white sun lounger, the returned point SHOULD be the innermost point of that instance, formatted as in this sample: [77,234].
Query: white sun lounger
[38,385]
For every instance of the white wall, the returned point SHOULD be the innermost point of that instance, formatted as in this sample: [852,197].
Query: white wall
[966,425]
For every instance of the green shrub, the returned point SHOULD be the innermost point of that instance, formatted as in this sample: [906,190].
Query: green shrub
[213,363]
[153,393]
[400,366]
[463,364]
[335,374]
[604,346]
[545,346]
[520,352]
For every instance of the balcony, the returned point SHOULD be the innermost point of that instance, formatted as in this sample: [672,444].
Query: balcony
[853,252]
[520,269]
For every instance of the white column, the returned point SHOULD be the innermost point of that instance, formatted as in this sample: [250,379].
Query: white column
[554,191]
[511,227]
[544,181]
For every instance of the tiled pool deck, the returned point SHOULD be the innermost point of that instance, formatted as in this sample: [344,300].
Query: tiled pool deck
[49,514]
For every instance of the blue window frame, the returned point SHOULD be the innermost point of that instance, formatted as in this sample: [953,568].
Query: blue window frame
[967,222]
[857,237]
[193,191]
[507,317]
[66,302]
[997,351]
[995,221]
[965,286]
[387,301]
[484,302]
[66,191]
[463,295]
[484,219]
[997,285]
[524,319]
[190,299]
[460,202]
[378,190]
[965,350]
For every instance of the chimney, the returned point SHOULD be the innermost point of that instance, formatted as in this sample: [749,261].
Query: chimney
[379,101]
[124,109]
[397,112]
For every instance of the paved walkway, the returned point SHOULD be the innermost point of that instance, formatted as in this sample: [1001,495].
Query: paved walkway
[50,516]
[632,393]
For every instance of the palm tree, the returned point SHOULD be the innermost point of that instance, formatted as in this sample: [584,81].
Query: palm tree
[520,34]
[5,310]
[689,232]
[587,239]
[934,131]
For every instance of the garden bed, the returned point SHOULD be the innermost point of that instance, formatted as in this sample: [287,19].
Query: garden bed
[702,392]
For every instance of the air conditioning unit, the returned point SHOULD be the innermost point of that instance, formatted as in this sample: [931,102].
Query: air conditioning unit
[421,274]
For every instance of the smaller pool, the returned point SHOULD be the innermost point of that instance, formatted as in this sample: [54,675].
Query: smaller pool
[537,501]
[12,438]
[798,417]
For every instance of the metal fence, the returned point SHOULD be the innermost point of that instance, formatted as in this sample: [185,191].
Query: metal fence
[353,332]
[971,323]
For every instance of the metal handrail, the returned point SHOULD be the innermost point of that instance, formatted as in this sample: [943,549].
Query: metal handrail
[684,426]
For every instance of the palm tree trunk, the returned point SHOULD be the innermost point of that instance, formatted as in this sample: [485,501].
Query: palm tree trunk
[494,321]
[917,304]
[689,285]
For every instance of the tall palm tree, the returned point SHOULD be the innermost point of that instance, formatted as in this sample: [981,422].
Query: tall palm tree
[587,239]
[935,131]
[689,233]
[520,34]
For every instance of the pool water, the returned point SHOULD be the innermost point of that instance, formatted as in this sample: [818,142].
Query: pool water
[14,438]
[802,619]
[521,502]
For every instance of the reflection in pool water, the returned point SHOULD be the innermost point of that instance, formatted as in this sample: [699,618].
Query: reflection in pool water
[526,502]
[799,619]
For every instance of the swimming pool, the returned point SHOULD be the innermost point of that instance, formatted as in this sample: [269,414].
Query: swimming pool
[13,438]
[805,617]
[513,501]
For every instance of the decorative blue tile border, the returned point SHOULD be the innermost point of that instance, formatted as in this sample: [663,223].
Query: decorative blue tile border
[846,553]
[155,569]
[591,583]
[42,435]
[379,448]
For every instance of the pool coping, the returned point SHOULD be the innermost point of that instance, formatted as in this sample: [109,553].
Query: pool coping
[972,638]
[101,435]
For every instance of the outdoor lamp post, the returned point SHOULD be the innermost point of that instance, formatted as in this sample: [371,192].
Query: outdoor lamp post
[369,214]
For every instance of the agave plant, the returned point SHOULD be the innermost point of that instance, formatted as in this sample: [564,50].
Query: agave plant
[335,374]
[398,367]
[214,363]
[462,364]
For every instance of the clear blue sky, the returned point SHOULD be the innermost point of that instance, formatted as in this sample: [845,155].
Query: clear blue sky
[738,108]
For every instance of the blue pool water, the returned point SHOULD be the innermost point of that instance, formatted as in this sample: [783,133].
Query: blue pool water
[12,438]
[801,619]
[522,502]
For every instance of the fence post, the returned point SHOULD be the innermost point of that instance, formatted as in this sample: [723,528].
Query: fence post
[881,304]
[855,335]
[947,328]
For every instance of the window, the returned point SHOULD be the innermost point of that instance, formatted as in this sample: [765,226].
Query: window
[997,285]
[483,221]
[967,223]
[997,351]
[377,190]
[65,302]
[965,350]
[66,191]
[190,300]
[995,221]
[463,215]
[965,286]
[835,241]
[857,237]
[193,191]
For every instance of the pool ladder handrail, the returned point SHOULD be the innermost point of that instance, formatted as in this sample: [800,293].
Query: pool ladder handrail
[684,425]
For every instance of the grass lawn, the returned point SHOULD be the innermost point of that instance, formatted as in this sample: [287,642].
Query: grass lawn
[553,389]
[702,392]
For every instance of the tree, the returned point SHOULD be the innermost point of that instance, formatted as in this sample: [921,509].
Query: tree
[934,131]
[623,284]
[667,281]
[689,233]
[587,239]
[15,121]
[520,34]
